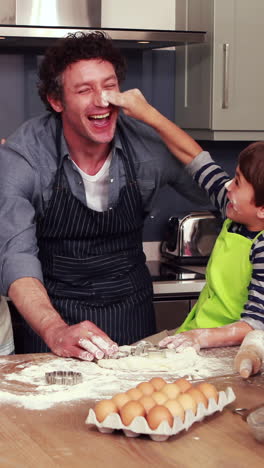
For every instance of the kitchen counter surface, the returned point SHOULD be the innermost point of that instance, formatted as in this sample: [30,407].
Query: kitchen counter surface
[181,288]
[59,437]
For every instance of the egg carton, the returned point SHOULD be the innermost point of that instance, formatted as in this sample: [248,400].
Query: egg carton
[140,426]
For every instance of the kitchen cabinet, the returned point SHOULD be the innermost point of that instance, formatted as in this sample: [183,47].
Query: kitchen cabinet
[171,312]
[149,14]
[219,84]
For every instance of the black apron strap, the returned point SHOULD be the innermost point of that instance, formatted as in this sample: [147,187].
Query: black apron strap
[128,151]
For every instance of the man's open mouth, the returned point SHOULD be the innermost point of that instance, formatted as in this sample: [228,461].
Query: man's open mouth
[99,116]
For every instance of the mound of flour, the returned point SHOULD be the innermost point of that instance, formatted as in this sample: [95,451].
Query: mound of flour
[23,383]
[167,360]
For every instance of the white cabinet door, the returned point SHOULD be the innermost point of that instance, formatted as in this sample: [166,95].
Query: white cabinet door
[138,14]
[219,85]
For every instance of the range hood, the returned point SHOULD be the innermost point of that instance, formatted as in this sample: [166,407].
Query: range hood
[37,23]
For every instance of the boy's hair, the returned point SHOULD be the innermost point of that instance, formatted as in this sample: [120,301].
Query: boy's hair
[251,164]
[69,50]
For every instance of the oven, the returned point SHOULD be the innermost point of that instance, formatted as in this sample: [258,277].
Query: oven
[176,289]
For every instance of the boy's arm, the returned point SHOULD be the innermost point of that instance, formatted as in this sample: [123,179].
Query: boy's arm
[183,146]
[180,144]
[227,335]
[253,311]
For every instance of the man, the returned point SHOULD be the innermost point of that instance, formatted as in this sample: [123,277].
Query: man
[76,184]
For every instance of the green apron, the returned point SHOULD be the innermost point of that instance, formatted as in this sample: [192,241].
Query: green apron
[228,275]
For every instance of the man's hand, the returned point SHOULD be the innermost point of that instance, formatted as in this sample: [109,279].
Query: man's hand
[84,341]
[181,341]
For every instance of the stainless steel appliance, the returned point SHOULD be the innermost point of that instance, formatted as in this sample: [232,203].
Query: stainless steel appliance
[189,239]
[36,23]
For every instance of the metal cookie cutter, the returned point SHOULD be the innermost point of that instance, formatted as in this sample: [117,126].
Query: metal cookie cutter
[63,377]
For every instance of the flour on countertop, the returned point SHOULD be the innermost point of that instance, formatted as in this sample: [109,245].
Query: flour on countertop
[164,360]
[26,385]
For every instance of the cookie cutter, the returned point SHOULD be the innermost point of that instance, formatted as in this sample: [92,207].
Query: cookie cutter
[142,349]
[63,377]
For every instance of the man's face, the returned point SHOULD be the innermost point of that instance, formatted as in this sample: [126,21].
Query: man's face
[85,117]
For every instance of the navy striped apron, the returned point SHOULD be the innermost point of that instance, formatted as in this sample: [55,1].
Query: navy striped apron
[93,262]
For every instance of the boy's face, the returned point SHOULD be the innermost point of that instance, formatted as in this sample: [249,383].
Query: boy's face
[241,207]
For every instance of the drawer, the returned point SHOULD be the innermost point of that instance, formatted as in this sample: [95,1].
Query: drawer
[171,313]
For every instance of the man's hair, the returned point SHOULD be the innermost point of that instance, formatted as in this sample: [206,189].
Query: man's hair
[251,164]
[72,49]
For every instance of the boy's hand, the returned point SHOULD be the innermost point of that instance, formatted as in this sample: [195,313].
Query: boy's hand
[132,102]
[180,341]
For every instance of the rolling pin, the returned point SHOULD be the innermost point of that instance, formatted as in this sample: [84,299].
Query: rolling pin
[250,355]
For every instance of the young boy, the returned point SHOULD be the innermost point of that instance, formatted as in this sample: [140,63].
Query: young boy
[232,301]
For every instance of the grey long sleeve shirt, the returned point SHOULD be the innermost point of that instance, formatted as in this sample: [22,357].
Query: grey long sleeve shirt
[28,164]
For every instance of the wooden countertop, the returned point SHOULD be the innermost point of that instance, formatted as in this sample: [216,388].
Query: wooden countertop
[59,437]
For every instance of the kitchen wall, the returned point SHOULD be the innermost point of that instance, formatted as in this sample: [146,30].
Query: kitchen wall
[151,71]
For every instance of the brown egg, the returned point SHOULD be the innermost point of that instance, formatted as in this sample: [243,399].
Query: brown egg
[120,399]
[131,410]
[146,388]
[208,390]
[157,383]
[134,393]
[157,415]
[148,402]
[175,408]
[187,402]
[171,390]
[198,396]
[103,408]
[159,397]
[183,384]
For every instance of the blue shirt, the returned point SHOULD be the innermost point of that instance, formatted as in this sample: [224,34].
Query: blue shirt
[28,164]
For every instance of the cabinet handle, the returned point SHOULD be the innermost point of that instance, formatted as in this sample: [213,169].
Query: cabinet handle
[225,102]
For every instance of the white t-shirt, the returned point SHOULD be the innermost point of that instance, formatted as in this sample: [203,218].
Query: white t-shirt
[97,186]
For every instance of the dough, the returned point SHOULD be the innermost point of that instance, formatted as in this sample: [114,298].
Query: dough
[171,361]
